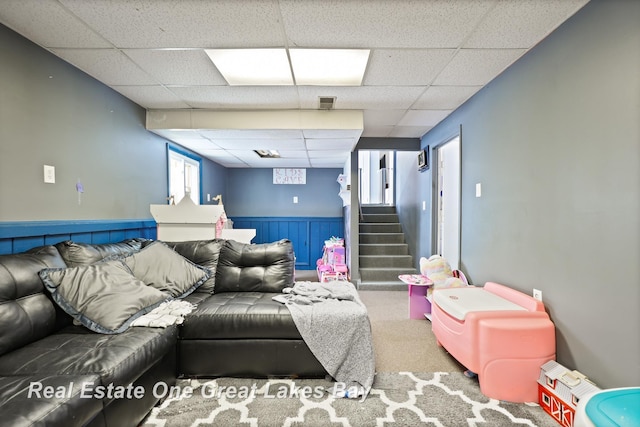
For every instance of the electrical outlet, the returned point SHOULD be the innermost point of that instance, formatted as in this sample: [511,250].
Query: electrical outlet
[537,294]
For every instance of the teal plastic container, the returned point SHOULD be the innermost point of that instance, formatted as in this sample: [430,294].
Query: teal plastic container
[615,408]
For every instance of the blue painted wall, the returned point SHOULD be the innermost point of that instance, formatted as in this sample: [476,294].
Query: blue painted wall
[253,201]
[555,142]
[251,193]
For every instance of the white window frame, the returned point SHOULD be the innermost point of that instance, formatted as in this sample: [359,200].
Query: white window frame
[184,175]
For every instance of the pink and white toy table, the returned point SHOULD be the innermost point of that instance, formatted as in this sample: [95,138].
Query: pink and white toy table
[419,306]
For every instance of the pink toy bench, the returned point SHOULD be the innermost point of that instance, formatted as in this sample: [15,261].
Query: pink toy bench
[497,332]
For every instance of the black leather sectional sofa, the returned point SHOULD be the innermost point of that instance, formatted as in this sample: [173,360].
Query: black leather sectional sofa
[56,373]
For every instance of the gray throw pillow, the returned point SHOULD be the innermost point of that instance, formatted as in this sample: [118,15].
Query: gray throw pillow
[162,268]
[78,253]
[104,297]
[204,253]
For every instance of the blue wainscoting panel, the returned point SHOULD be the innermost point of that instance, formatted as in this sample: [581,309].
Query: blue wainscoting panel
[19,236]
[306,233]
[321,231]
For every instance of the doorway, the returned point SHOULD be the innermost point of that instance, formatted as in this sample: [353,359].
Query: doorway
[376,177]
[447,203]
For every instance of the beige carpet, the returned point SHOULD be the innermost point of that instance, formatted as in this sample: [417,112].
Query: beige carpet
[403,344]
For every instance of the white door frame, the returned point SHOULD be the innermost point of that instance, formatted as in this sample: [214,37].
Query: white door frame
[447,200]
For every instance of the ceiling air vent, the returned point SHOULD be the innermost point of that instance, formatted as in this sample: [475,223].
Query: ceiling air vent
[327,102]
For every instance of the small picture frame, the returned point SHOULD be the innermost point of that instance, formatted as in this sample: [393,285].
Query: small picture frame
[423,160]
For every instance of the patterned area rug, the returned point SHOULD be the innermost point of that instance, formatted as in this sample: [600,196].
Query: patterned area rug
[397,399]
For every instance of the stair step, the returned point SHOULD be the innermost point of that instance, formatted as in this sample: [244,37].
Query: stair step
[381,238]
[387,249]
[380,227]
[384,255]
[375,209]
[380,218]
[399,261]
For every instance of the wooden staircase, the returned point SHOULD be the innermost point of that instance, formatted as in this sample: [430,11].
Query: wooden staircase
[383,252]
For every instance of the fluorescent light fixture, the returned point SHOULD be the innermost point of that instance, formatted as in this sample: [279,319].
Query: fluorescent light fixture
[270,67]
[329,67]
[268,154]
[265,67]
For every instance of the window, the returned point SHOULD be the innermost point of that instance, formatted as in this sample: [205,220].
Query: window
[184,176]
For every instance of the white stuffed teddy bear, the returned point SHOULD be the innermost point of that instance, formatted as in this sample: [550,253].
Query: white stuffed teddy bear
[439,271]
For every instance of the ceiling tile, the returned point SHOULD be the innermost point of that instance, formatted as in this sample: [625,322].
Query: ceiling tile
[380,23]
[331,133]
[107,65]
[378,131]
[49,24]
[258,162]
[444,97]
[409,131]
[202,149]
[360,98]
[184,23]
[423,117]
[382,117]
[406,67]
[229,161]
[238,97]
[151,96]
[251,134]
[475,67]
[182,67]
[328,154]
[428,57]
[293,154]
[522,23]
[260,144]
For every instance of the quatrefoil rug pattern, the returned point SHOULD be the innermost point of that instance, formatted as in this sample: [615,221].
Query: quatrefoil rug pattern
[440,399]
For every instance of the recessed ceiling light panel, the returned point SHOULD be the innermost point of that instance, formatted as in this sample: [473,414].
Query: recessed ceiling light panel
[329,67]
[264,67]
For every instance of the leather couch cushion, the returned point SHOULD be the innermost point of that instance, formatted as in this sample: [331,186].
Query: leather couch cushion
[18,409]
[76,253]
[204,253]
[26,311]
[244,267]
[239,315]
[117,359]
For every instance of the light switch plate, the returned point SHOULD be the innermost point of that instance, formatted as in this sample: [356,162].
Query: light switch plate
[478,190]
[49,174]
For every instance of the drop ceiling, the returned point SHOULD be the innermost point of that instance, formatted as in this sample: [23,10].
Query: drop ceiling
[427,57]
